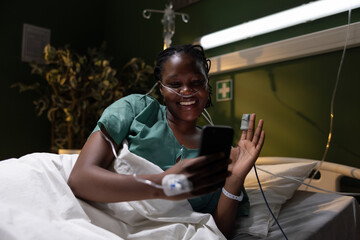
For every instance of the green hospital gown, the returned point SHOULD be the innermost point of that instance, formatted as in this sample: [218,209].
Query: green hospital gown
[141,120]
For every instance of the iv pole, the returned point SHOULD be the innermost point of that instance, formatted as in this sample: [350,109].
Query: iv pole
[168,21]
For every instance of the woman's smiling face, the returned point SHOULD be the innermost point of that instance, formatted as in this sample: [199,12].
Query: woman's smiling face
[185,75]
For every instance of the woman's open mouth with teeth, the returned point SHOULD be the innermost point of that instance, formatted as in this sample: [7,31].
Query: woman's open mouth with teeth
[187,103]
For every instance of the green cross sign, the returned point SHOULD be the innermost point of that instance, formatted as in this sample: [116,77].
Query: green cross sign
[224,90]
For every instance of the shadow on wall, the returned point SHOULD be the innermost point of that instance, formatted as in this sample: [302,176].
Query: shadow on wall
[305,118]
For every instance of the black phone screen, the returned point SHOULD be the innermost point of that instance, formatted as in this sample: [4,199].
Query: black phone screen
[216,139]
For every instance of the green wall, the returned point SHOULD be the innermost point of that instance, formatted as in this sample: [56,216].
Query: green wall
[292,97]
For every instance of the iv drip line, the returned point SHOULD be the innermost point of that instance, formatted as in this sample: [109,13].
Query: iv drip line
[333,98]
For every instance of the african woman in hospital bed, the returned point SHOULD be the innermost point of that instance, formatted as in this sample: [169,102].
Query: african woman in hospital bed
[168,136]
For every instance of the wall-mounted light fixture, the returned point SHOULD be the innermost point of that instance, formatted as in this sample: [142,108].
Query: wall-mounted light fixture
[284,19]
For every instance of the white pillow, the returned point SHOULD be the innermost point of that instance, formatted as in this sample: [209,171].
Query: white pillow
[276,189]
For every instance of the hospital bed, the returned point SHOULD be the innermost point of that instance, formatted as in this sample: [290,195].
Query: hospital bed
[36,203]
[310,212]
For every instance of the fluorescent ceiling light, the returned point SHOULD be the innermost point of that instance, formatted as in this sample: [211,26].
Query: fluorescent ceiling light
[291,17]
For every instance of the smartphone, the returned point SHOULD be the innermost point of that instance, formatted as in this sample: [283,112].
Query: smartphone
[216,139]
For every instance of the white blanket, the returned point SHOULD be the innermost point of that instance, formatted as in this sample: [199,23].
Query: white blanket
[36,203]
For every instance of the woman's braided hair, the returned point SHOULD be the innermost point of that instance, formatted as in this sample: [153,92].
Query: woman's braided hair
[196,51]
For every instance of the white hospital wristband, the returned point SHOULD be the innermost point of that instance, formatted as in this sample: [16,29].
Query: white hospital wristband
[231,196]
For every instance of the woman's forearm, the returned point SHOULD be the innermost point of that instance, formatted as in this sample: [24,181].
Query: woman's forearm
[101,185]
[225,213]
[91,180]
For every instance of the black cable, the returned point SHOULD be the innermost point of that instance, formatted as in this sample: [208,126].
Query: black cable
[267,204]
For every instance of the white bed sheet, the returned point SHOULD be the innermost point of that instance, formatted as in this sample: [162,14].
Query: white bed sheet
[314,216]
[36,203]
